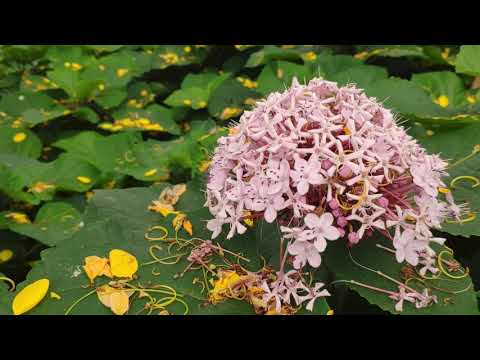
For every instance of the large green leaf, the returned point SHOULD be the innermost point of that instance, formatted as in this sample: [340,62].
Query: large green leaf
[468,60]
[278,75]
[19,141]
[270,53]
[368,254]
[455,144]
[55,222]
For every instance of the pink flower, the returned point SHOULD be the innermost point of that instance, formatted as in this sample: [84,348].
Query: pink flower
[407,247]
[321,229]
[304,252]
[306,173]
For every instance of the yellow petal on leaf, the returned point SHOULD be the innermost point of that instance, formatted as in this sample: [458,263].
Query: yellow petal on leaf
[55,296]
[187,225]
[119,302]
[5,255]
[30,296]
[84,179]
[115,299]
[19,137]
[150,172]
[96,266]
[122,263]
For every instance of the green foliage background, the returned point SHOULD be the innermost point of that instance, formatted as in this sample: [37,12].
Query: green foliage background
[132,118]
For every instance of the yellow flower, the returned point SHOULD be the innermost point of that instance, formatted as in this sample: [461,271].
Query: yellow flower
[19,218]
[122,263]
[310,56]
[76,67]
[230,112]
[5,255]
[30,296]
[187,226]
[429,132]
[84,179]
[187,49]
[96,266]
[122,72]
[150,172]
[442,101]
[19,137]
[250,84]
[250,101]
[105,126]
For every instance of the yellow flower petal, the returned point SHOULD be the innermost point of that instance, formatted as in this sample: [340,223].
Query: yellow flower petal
[187,102]
[19,218]
[30,296]
[5,255]
[84,179]
[76,67]
[119,302]
[40,187]
[150,172]
[55,296]
[19,137]
[187,225]
[122,72]
[310,56]
[122,263]
[442,101]
[330,312]
[96,266]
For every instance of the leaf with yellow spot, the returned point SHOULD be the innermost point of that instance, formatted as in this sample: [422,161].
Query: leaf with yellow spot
[30,296]
[84,179]
[19,137]
[122,263]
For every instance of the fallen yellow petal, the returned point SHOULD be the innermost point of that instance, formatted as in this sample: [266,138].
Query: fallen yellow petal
[19,137]
[55,296]
[19,218]
[122,72]
[150,172]
[119,302]
[442,101]
[5,255]
[122,263]
[96,266]
[187,225]
[84,179]
[330,312]
[30,296]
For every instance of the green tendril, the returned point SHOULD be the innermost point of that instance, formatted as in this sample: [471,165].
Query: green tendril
[445,272]
[79,300]
[10,281]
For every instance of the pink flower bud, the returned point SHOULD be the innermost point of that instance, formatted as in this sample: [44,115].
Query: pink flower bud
[326,164]
[383,202]
[336,213]
[341,231]
[333,204]
[342,221]
[345,172]
[353,238]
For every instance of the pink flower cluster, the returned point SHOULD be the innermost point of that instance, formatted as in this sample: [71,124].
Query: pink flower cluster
[328,163]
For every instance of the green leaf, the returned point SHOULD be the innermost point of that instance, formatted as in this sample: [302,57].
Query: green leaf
[270,53]
[393,51]
[443,83]
[30,145]
[104,48]
[455,144]
[368,254]
[55,222]
[195,97]
[327,65]
[229,94]
[277,76]
[362,76]
[468,60]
